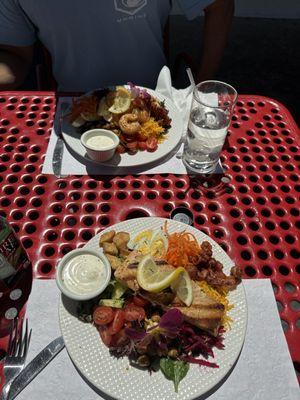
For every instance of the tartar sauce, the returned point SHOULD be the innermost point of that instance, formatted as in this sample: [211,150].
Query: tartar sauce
[99,142]
[83,274]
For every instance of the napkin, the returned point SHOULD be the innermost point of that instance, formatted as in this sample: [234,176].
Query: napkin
[172,163]
[263,371]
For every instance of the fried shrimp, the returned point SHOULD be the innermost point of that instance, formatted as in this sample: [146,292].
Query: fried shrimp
[143,115]
[129,124]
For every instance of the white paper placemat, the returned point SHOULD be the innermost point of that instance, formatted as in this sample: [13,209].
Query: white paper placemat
[264,370]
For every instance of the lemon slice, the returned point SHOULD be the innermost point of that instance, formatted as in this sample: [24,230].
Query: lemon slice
[122,101]
[183,288]
[152,279]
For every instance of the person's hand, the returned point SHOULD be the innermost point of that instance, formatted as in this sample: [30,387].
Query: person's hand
[15,64]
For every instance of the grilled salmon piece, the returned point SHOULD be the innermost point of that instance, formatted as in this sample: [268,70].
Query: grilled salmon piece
[204,312]
[127,275]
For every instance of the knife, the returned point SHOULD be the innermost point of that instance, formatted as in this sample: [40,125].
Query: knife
[59,146]
[36,366]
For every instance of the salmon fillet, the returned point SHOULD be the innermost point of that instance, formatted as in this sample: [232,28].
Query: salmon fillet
[127,275]
[204,312]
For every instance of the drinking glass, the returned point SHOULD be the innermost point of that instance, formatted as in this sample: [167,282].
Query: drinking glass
[210,116]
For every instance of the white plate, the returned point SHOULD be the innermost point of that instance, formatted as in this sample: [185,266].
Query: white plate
[113,376]
[72,139]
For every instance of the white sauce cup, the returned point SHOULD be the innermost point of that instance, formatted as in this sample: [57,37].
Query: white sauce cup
[64,261]
[100,154]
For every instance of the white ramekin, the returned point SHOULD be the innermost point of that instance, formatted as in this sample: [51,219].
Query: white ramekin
[60,266]
[100,155]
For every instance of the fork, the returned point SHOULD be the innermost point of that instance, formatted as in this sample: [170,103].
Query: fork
[16,354]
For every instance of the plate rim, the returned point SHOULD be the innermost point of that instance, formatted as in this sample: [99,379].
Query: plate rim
[179,126]
[237,352]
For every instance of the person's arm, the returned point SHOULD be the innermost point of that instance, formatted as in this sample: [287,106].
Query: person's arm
[217,23]
[15,63]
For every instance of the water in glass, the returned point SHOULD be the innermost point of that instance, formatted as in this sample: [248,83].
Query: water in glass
[205,138]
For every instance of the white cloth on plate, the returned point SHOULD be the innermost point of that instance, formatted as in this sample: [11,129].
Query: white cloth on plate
[171,164]
[263,371]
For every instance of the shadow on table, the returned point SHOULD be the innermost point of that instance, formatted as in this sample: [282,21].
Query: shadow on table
[209,185]
[95,170]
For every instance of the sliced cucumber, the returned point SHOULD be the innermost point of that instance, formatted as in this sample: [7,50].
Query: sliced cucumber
[115,303]
[118,291]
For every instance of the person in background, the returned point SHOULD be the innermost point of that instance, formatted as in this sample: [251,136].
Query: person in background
[102,43]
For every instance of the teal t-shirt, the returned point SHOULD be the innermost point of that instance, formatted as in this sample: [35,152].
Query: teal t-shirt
[93,43]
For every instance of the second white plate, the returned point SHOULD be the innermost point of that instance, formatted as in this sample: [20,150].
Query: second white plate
[72,139]
[115,377]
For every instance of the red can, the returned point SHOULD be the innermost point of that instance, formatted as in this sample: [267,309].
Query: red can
[15,276]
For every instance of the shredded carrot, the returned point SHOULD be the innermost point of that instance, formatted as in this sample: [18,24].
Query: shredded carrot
[183,249]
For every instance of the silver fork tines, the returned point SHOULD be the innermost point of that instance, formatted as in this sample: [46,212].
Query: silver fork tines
[16,354]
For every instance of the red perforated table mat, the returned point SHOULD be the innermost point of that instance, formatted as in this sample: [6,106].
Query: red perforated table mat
[254,216]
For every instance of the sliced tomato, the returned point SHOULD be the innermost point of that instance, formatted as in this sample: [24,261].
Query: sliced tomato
[121,149]
[141,137]
[132,145]
[117,323]
[105,335]
[130,138]
[134,313]
[139,301]
[142,145]
[103,315]
[151,144]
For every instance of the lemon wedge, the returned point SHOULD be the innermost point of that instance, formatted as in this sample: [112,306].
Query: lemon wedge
[122,101]
[183,288]
[152,279]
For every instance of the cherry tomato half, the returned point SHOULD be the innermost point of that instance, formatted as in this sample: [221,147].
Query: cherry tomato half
[117,323]
[139,301]
[130,138]
[105,335]
[134,313]
[142,145]
[121,149]
[103,315]
[151,144]
[141,137]
[132,145]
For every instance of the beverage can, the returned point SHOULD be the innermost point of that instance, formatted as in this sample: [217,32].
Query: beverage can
[15,275]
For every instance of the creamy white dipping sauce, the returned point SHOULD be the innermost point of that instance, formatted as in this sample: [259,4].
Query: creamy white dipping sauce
[84,274]
[99,142]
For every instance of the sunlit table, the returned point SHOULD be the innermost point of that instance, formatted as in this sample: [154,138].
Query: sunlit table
[252,211]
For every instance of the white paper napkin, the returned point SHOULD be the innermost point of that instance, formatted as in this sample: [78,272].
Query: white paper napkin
[171,164]
[264,370]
